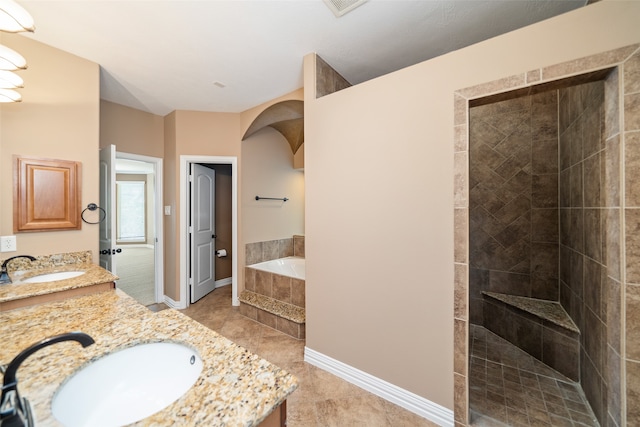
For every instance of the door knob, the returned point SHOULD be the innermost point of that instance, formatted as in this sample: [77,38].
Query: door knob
[105,252]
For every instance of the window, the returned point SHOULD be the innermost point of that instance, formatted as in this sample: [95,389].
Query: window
[130,211]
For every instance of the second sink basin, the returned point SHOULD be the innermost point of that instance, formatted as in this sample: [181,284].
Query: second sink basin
[127,385]
[54,277]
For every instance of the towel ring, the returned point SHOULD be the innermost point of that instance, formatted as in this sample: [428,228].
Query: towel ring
[93,207]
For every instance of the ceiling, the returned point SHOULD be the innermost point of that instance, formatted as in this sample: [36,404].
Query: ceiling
[231,55]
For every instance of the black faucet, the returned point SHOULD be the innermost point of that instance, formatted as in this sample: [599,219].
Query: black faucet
[4,274]
[16,411]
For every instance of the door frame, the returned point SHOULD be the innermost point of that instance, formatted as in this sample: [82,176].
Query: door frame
[183,238]
[158,218]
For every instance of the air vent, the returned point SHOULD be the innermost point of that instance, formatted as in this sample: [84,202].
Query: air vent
[340,7]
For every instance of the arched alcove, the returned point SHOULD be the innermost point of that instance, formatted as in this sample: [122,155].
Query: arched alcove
[287,117]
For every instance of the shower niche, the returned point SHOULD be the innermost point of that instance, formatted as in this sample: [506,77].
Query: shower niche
[543,179]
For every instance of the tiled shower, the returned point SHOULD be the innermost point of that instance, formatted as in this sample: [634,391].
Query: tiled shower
[539,163]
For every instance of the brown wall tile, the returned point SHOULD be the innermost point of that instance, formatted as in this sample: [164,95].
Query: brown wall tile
[611,104]
[632,244]
[461,138]
[250,279]
[460,293]
[459,109]
[264,283]
[632,74]
[500,85]
[544,156]
[460,399]
[632,315]
[632,168]
[592,181]
[544,192]
[588,63]
[633,391]
[299,246]
[632,112]
[253,253]
[267,318]
[612,172]
[461,235]
[594,232]
[298,292]
[460,358]
[561,353]
[270,250]
[285,247]
[281,288]
[614,313]
[612,224]
[461,172]
[614,387]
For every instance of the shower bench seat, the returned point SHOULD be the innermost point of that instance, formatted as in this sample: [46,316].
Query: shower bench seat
[542,328]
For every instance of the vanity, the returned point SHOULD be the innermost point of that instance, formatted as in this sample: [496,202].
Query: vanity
[40,281]
[234,388]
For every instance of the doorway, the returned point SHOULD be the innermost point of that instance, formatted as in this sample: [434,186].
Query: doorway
[131,236]
[225,231]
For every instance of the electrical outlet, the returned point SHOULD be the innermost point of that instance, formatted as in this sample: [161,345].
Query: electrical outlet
[8,244]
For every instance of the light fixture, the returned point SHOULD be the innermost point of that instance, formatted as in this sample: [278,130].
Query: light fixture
[10,60]
[9,80]
[8,95]
[14,18]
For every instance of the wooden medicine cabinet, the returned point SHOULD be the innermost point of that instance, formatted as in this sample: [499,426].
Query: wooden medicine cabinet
[46,194]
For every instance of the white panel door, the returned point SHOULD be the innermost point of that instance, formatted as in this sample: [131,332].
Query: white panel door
[107,202]
[202,231]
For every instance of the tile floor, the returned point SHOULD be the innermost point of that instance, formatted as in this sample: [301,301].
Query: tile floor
[322,399]
[508,387]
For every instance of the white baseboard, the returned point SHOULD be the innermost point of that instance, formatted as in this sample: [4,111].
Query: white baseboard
[394,394]
[172,303]
[223,282]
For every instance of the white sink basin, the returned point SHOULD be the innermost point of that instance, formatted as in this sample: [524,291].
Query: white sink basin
[127,386]
[53,277]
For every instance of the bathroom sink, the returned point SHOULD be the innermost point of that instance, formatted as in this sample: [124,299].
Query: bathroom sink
[53,277]
[127,385]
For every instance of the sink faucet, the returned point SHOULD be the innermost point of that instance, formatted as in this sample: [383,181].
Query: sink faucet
[16,411]
[4,275]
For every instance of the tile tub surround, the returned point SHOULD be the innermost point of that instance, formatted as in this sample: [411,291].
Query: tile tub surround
[94,274]
[286,318]
[273,249]
[236,387]
[274,300]
[622,387]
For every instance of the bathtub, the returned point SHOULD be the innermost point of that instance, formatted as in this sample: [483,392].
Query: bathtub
[292,266]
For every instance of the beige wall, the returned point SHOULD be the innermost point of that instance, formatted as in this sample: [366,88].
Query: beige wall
[209,134]
[198,134]
[269,171]
[170,169]
[131,131]
[379,227]
[59,119]
[267,163]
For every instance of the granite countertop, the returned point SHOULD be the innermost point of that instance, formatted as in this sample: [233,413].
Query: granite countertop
[235,388]
[94,274]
